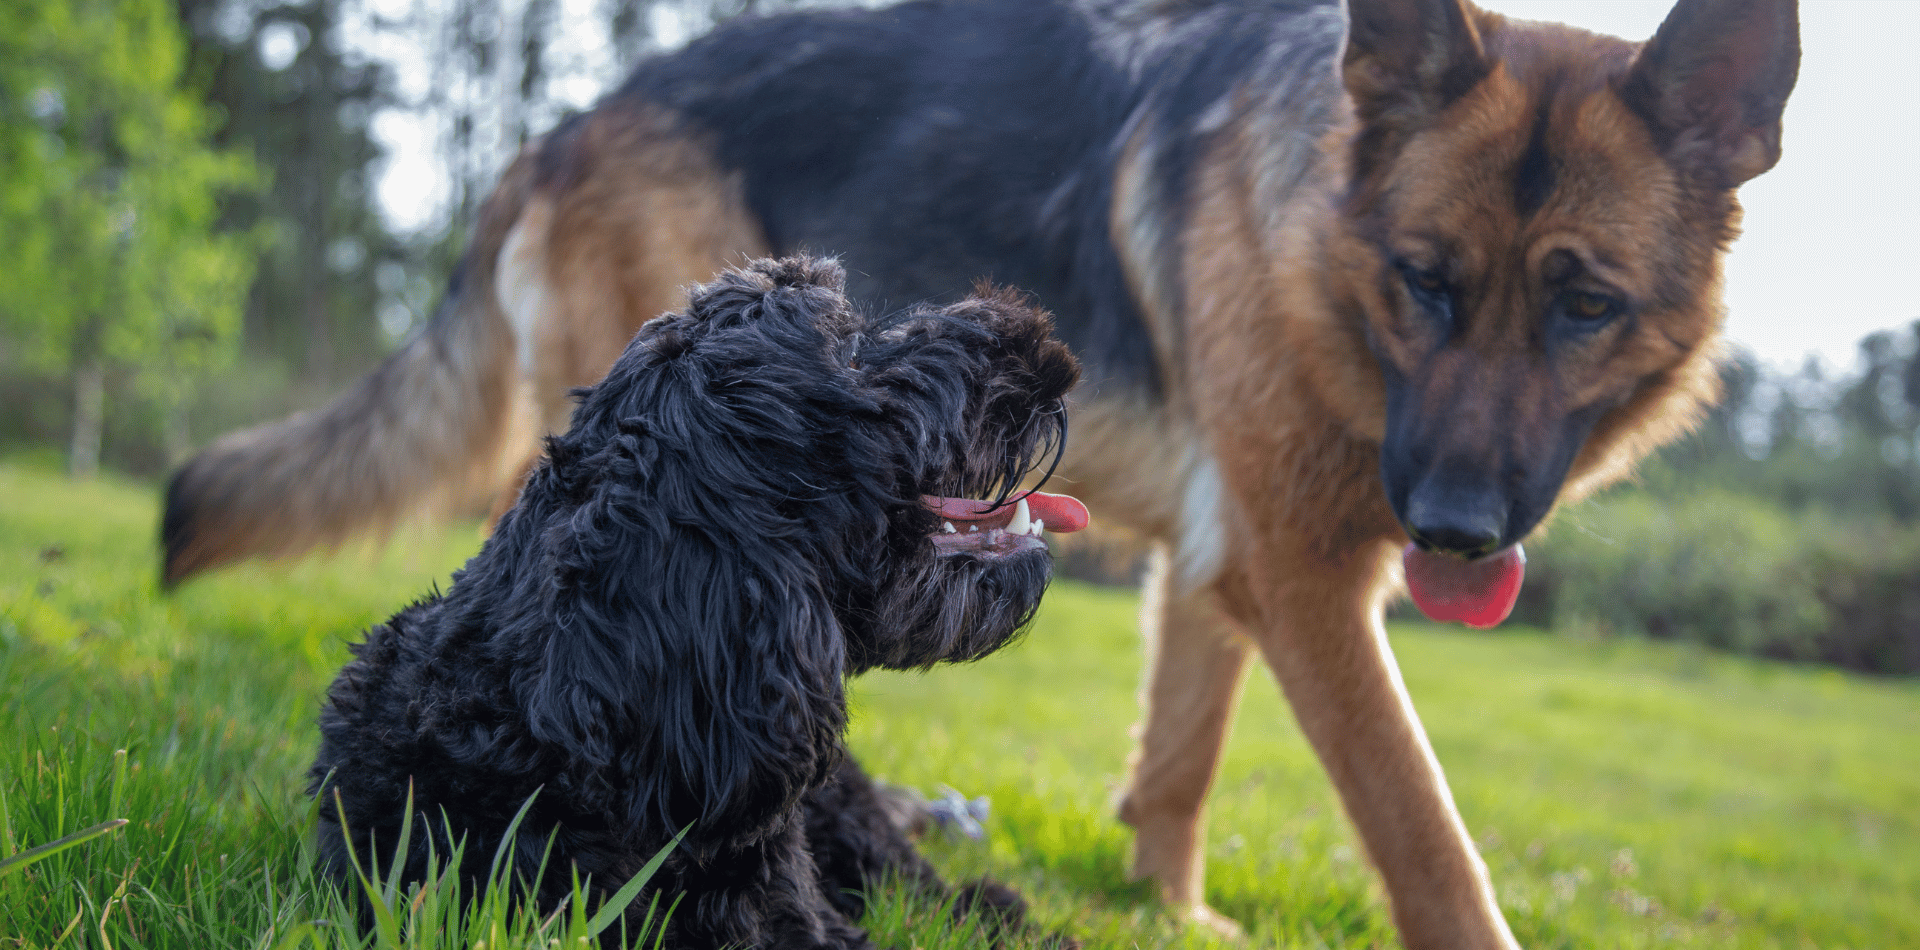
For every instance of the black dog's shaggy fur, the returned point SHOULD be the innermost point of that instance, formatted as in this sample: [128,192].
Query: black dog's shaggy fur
[657,634]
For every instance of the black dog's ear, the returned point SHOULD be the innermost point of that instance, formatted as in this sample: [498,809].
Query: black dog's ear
[774,327]
[683,651]
[693,682]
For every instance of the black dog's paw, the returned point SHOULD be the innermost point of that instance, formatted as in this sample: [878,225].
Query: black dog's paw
[1002,913]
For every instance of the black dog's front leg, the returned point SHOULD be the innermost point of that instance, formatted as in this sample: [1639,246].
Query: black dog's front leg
[766,896]
[856,845]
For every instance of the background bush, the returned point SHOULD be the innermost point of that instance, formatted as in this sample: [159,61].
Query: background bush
[1734,572]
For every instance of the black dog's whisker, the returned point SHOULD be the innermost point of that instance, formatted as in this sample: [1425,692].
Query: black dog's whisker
[1058,448]
[1052,446]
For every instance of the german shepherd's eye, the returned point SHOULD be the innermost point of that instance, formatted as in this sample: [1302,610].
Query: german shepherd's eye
[1426,281]
[1589,308]
[1429,288]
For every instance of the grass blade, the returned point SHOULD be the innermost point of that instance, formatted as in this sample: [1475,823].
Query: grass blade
[20,861]
[386,929]
[617,904]
[396,871]
[502,855]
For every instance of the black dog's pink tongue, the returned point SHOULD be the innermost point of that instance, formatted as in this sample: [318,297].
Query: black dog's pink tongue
[1062,513]
[1477,593]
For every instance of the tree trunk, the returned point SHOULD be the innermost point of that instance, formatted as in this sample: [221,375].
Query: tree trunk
[322,108]
[89,416]
[175,439]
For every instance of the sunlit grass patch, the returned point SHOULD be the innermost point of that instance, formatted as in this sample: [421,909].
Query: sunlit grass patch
[1625,794]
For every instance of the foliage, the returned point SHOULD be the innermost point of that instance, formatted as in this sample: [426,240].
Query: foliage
[1733,572]
[1812,441]
[111,190]
[316,92]
[289,89]
[1625,794]
[1719,569]
[109,198]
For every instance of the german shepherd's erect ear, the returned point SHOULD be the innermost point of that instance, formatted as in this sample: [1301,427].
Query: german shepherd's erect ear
[1712,83]
[1407,60]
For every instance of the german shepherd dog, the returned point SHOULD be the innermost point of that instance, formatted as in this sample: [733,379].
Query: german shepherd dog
[1345,279]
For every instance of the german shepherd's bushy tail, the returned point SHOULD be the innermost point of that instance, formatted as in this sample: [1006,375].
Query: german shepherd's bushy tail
[439,423]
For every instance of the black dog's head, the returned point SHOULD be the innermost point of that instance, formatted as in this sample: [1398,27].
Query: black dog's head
[971,399]
[767,492]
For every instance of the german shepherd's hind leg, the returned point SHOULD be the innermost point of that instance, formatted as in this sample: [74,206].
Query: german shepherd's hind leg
[1196,661]
[1324,634]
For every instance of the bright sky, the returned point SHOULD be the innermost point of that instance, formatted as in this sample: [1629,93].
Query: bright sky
[1832,245]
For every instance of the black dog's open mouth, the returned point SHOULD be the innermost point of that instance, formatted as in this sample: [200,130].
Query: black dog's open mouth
[976,526]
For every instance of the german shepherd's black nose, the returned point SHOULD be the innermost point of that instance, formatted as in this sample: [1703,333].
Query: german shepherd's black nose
[1458,520]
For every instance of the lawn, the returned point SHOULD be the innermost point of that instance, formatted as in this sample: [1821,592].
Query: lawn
[1624,794]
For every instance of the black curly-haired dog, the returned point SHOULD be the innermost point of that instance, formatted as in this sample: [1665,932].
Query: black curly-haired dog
[767,494]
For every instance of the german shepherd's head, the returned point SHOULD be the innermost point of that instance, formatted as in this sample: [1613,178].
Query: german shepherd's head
[1533,234]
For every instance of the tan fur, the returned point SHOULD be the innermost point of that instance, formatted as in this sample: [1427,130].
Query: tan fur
[642,214]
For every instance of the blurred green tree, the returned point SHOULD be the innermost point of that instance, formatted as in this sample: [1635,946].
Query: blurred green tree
[285,86]
[109,199]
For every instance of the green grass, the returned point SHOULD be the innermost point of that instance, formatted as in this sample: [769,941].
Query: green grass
[1625,795]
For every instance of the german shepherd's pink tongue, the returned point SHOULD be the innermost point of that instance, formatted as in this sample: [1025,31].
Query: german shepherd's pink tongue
[1062,513]
[1477,593]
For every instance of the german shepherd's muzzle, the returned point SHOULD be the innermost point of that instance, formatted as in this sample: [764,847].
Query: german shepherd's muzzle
[1471,470]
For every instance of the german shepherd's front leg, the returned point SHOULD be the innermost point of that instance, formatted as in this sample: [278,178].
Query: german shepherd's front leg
[1196,661]
[1321,630]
